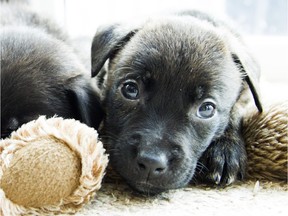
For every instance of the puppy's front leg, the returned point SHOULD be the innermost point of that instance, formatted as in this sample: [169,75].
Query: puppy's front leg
[225,158]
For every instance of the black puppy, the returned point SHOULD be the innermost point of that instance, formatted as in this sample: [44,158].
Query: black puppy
[40,73]
[174,94]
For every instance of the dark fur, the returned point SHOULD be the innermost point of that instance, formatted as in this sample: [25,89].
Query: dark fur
[40,73]
[158,141]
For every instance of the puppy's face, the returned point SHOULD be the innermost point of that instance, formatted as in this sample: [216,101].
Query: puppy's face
[168,94]
[40,75]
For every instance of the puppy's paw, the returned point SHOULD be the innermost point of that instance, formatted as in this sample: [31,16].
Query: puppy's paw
[224,161]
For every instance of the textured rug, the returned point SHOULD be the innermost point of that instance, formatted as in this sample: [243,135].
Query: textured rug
[246,198]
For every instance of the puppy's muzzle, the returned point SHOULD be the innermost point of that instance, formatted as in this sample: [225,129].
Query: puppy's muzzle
[149,161]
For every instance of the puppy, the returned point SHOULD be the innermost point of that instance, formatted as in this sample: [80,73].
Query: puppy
[40,73]
[174,93]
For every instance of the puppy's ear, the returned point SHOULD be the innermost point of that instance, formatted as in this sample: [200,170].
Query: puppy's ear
[87,105]
[248,67]
[106,42]
[250,78]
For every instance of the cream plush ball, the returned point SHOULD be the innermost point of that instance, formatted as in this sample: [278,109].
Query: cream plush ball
[50,165]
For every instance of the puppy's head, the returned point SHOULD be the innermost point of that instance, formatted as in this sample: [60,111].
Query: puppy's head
[40,75]
[168,92]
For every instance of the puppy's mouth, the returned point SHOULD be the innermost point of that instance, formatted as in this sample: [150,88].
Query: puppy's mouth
[146,188]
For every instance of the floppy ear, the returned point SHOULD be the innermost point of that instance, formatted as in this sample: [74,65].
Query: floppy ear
[250,78]
[106,42]
[87,104]
[247,66]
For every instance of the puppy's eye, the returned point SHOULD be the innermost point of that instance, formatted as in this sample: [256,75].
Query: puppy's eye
[206,110]
[130,90]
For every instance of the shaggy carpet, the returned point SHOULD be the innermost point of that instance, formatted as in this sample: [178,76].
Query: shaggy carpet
[246,198]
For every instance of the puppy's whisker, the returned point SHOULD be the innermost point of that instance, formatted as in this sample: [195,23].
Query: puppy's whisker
[108,136]
[193,180]
[201,168]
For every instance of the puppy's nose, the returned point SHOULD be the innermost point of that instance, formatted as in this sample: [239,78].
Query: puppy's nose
[152,164]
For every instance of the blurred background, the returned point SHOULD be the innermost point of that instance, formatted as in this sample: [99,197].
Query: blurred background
[263,24]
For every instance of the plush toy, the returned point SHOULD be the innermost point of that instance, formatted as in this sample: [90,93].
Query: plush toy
[50,166]
[56,165]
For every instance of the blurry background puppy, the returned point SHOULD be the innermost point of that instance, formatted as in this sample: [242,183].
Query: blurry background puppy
[40,72]
[174,94]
